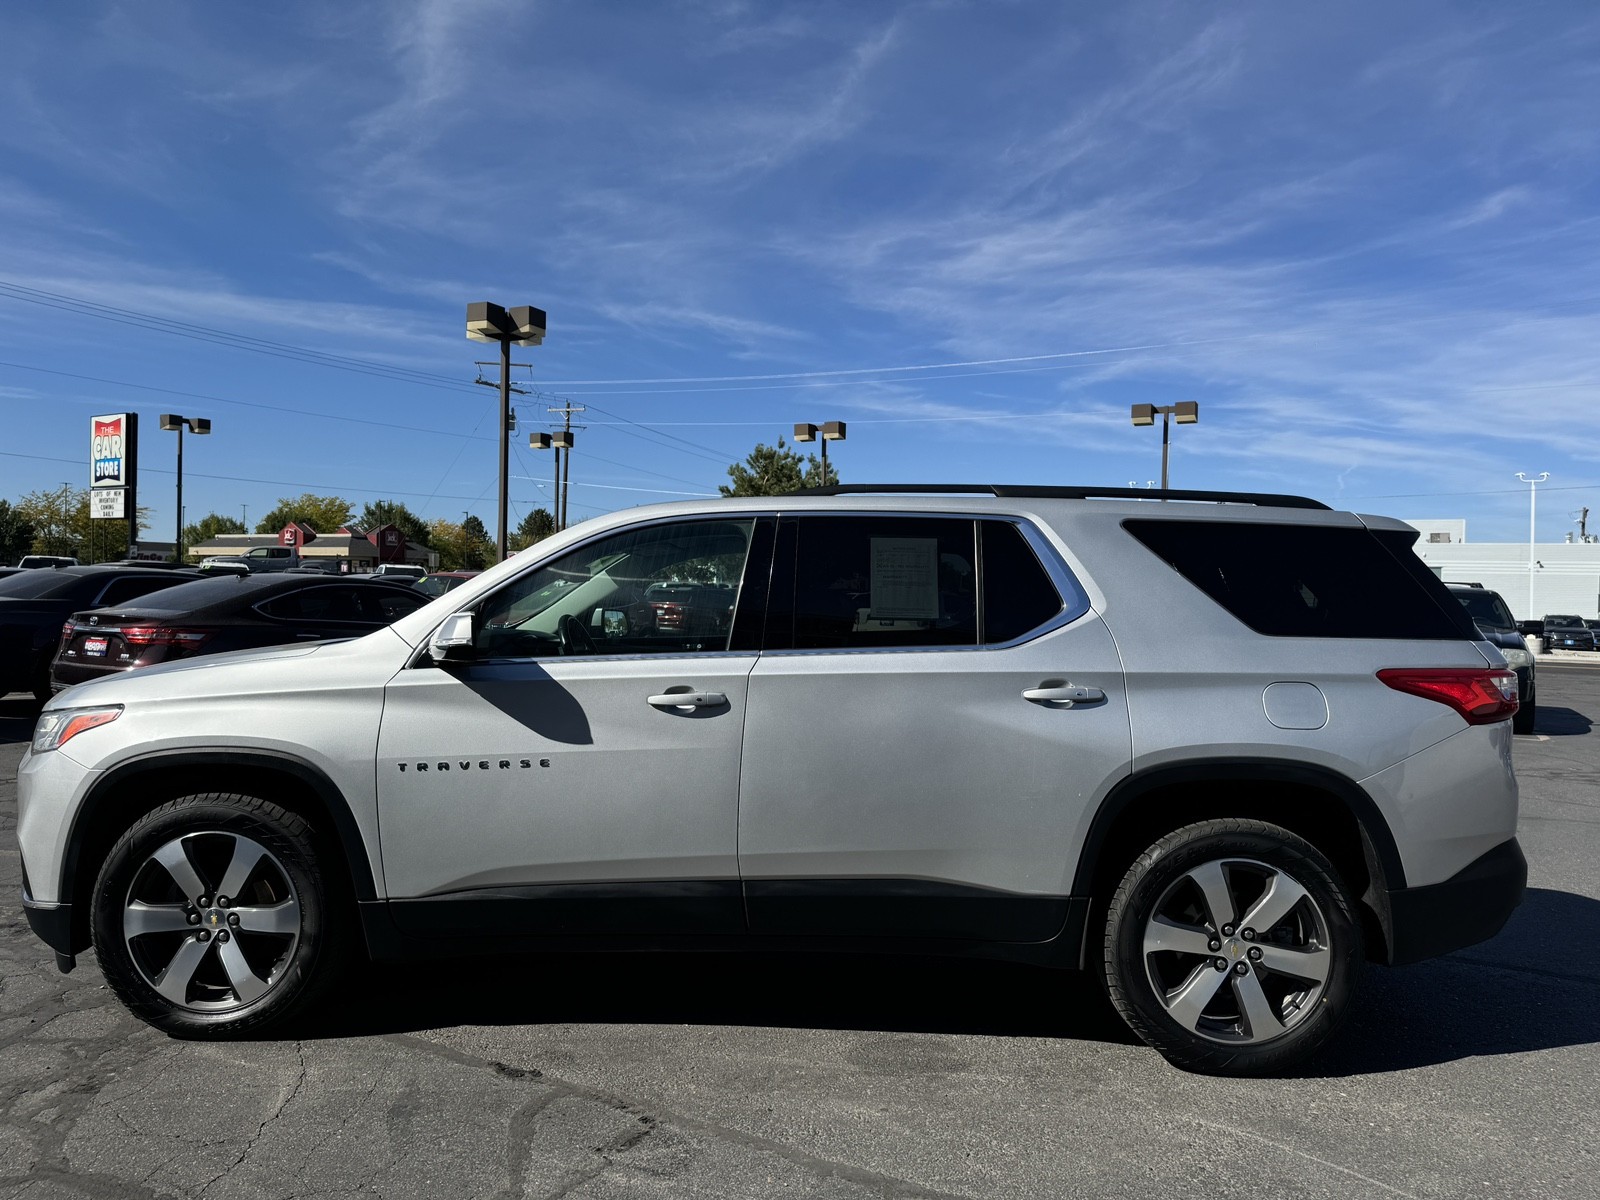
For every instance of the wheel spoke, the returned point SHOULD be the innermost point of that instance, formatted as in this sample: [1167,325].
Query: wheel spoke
[278,918]
[140,918]
[1262,1022]
[1191,999]
[173,983]
[173,857]
[1213,884]
[1310,964]
[1163,934]
[1281,896]
[245,982]
[246,854]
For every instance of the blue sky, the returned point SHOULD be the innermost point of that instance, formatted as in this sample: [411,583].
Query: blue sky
[1363,236]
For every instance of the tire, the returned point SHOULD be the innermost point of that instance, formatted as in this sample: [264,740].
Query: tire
[1282,991]
[1525,716]
[235,964]
[41,683]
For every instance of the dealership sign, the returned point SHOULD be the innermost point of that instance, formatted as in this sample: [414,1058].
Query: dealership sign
[113,466]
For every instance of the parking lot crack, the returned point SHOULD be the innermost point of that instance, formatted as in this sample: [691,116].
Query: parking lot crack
[300,1053]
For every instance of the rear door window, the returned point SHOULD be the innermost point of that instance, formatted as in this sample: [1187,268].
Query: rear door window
[1310,580]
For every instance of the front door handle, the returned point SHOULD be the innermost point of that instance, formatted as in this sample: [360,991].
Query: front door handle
[1067,693]
[687,700]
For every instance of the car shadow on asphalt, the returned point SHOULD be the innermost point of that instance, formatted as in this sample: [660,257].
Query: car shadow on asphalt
[1561,722]
[1533,987]
[799,991]
[18,712]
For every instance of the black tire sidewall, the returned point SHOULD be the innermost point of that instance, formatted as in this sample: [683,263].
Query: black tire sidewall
[1166,862]
[290,841]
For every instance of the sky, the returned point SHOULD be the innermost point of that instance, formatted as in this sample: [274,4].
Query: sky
[1363,237]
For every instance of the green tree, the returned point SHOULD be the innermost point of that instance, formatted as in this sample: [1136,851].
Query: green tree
[16,534]
[391,512]
[208,527]
[776,471]
[323,513]
[62,525]
[535,527]
[461,547]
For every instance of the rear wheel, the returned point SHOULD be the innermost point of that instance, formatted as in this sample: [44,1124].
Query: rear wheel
[211,917]
[1232,947]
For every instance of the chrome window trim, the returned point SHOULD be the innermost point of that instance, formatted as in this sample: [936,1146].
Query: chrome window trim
[1075,598]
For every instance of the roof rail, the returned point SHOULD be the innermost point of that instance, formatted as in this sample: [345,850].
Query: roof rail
[1050,492]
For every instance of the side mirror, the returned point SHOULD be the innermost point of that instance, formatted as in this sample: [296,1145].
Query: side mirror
[614,622]
[452,641]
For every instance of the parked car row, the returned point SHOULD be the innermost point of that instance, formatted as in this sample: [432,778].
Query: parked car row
[62,627]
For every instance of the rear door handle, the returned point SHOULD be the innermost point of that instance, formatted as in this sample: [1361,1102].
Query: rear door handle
[1067,693]
[687,700]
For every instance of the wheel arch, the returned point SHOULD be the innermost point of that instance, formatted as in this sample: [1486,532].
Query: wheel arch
[1327,809]
[131,789]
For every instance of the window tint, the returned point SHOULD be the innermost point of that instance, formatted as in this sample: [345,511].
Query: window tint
[1017,593]
[657,589]
[123,590]
[317,604]
[883,581]
[1485,608]
[1309,580]
[390,604]
[43,583]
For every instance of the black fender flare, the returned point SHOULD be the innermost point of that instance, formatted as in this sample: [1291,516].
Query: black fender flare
[1375,832]
[315,780]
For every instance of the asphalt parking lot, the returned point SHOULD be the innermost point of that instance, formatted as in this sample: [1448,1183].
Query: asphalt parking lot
[1475,1075]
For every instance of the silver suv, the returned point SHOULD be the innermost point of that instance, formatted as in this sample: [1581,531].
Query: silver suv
[1157,736]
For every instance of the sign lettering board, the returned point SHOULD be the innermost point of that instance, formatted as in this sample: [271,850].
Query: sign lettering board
[112,450]
[108,504]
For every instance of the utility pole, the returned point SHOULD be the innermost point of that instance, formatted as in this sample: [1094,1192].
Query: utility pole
[1583,524]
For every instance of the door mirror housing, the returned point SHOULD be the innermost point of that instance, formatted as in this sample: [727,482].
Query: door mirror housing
[452,641]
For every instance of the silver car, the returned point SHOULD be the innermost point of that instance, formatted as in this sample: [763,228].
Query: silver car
[1160,741]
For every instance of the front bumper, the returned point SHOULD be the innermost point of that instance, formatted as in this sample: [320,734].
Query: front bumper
[1469,907]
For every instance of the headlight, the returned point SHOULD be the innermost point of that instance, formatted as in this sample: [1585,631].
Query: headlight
[59,726]
[1518,658]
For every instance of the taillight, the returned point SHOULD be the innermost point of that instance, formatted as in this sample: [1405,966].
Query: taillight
[66,632]
[163,635]
[1482,695]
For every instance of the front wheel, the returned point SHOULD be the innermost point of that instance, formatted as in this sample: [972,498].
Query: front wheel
[211,917]
[1232,947]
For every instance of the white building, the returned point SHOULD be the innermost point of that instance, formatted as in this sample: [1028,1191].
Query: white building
[1560,577]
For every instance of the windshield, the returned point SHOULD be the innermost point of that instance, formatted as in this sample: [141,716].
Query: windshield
[1561,621]
[1486,609]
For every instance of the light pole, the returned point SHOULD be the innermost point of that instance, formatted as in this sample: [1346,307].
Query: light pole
[833,431]
[171,421]
[1533,496]
[558,441]
[525,326]
[1187,412]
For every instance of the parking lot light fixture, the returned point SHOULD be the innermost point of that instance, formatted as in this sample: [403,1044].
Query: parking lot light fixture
[1533,497]
[1185,412]
[524,326]
[832,431]
[172,422]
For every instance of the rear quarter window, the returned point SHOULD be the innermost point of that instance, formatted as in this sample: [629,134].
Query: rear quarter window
[1310,580]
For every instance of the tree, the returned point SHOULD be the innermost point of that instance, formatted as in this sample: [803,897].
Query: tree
[391,512]
[463,547]
[62,525]
[16,534]
[776,471]
[322,513]
[208,527]
[535,527]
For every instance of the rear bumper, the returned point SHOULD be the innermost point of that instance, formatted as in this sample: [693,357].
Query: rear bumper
[1469,907]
